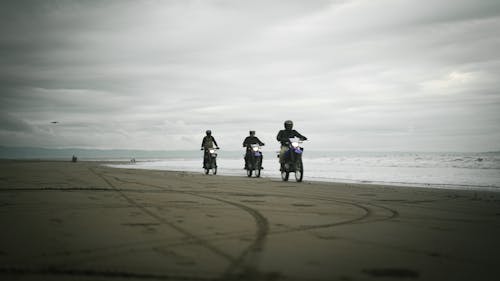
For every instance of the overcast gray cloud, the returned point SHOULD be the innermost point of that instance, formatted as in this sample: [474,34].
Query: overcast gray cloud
[353,75]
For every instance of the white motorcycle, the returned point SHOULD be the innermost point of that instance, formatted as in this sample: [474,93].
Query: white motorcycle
[293,160]
[254,160]
[210,160]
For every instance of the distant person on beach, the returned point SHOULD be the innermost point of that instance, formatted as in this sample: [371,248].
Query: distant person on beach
[284,136]
[251,139]
[74,159]
[208,142]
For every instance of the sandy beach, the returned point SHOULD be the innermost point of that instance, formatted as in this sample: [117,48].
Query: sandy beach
[85,221]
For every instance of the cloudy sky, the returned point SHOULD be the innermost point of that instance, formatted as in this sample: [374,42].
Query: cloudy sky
[405,75]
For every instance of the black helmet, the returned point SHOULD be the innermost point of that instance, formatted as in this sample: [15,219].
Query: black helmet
[208,132]
[252,133]
[288,124]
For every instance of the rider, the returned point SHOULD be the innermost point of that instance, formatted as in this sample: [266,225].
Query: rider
[283,137]
[207,142]
[252,139]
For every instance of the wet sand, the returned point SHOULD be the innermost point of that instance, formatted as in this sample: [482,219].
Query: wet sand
[84,221]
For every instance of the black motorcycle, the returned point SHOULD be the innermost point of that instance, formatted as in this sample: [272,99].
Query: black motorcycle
[210,160]
[293,160]
[253,160]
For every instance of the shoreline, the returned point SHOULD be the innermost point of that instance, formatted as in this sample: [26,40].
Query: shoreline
[336,180]
[109,163]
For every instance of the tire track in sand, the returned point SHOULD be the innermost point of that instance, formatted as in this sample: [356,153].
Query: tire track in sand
[263,225]
[186,233]
[251,251]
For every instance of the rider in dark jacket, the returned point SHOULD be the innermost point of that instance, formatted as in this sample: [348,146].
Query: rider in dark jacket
[252,139]
[284,136]
[207,142]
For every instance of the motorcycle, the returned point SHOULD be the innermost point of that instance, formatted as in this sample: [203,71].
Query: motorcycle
[293,160]
[210,160]
[254,160]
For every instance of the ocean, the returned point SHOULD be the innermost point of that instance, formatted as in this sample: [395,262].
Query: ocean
[420,169]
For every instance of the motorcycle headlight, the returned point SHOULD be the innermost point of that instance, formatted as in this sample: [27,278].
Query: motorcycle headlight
[212,150]
[295,144]
[255,148]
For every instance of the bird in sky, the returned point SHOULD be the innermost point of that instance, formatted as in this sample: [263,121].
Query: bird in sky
[54,122]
